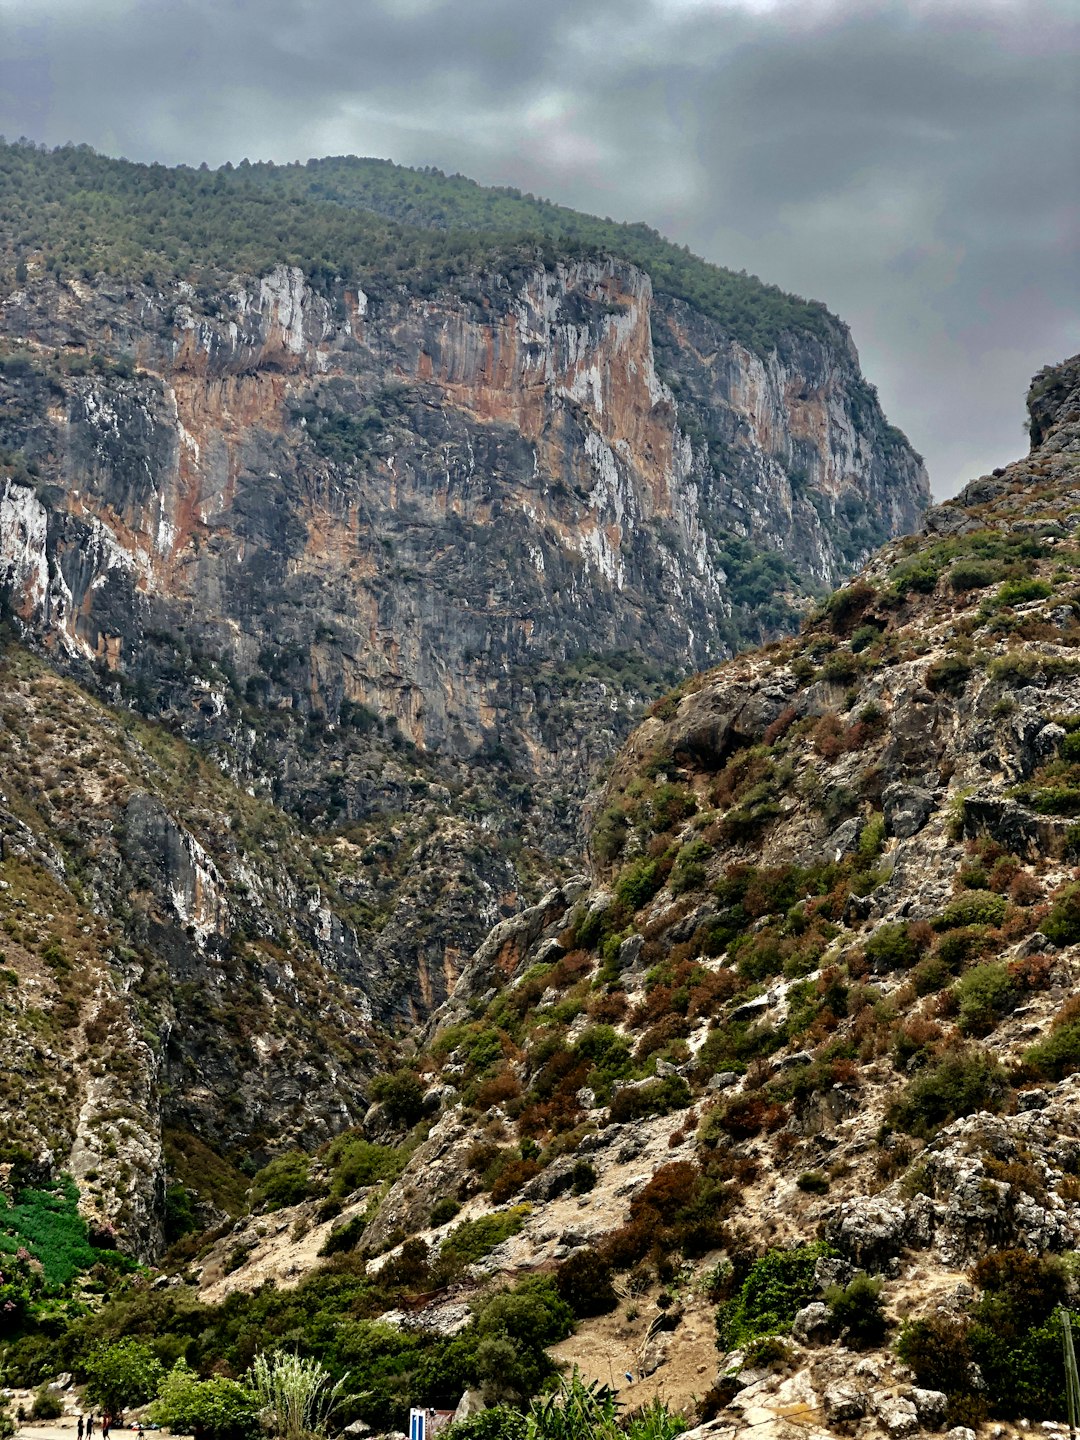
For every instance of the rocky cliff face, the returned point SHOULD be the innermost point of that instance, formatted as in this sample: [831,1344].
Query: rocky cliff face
[372,554]
[825,975]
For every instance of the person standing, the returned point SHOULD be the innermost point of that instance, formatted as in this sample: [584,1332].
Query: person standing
[81,1426]
[90,1426]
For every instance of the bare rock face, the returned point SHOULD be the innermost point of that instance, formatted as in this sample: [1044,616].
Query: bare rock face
[375,554]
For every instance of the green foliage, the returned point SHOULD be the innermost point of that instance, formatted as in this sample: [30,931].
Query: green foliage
[356,1162]
[584,1281]
[986,994]
[948,674]
[296,1394]
[47,1405]
[958,1083]
[226,1409]
[121,1375]
[892,947]
[857,1311]
[444,1210]
[1019,592]
[497,1422]
[813,1182]
[1062,925]
[46,1222]
[659,1097]
[1058,1054]
[401,1096]
[638,882]
[973,574]
[973,907]
[180,1218]
[688,872]
[420,229]
[286,1180]
[473,1239]
[1005,1358]
[778,1285]
[586,1410]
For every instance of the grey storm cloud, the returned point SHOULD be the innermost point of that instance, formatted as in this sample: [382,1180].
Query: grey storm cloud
[913,164]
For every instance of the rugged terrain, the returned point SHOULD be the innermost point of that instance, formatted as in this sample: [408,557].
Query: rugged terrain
[381,540]
[340,547]
[819,992]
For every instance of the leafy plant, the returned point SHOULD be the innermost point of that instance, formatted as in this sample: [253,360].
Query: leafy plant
[225,1409]
[959,1083]
[122,1374]
[778,1285]
[295,1394]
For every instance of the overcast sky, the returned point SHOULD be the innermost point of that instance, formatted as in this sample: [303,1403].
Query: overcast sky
[913,165]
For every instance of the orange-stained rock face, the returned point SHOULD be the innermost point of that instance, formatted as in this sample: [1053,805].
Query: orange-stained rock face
[482,526]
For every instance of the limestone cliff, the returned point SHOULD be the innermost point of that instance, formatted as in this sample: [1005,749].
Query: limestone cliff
[284,520]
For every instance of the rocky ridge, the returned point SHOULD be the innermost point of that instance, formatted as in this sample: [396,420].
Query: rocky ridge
[408,549]
[824,973]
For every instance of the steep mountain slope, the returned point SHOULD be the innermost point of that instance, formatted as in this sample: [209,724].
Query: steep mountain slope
[814,1016]
[395,519]
[175,961]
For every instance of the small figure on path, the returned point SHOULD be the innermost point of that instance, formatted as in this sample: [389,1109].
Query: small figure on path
[89,1425]
[80,1427]
[106,1421]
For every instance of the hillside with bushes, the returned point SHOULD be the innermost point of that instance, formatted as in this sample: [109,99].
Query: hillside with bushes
[775,1112]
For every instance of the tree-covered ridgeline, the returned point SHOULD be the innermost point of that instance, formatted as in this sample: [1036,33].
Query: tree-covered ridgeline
[361,220]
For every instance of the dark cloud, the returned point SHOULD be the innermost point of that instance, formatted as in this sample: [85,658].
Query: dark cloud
[912,164]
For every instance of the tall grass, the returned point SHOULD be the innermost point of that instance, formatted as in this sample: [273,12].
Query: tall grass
[294,1394]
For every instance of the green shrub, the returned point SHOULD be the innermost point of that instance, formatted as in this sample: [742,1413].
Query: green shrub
[1018,667]
[444,1210]
[402,1097]
[813,1182]
[585,1281]
[1058,1054]
[47,1405]
[972,574]
[356,1162]
[1019,592]
[473,1239]
[1062,925]
[778,1285]
[47,1224]
[584,1177]
[688,872]
[973,907]
[949,675]
[959,1083]
[986,994]
[657,1098]
[864,637]
[893,947]
[638,882]
[224,1409]
[857,1311]
[957,947]
[343,1238]
[938,1350]
[121,1375]
[609,834]
[285,1181]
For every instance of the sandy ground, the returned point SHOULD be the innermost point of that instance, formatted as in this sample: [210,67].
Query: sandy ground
[606,1347]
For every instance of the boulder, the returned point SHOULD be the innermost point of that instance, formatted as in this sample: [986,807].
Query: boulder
[471,1403]
[897,1415]
[812,1324]
[907,809]
[844,1402]
[930,1406]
